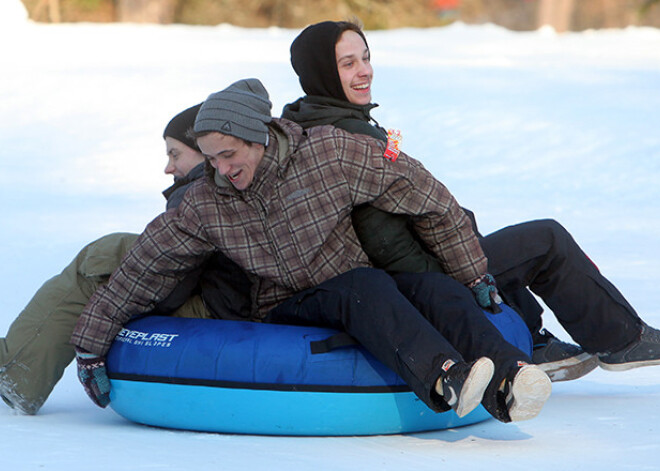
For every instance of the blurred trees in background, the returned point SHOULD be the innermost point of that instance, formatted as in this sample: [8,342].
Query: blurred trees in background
[520,15]
[563,15]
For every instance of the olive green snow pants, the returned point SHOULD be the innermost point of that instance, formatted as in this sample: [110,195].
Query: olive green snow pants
[36,350]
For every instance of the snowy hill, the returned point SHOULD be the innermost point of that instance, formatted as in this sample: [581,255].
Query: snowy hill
[518,125]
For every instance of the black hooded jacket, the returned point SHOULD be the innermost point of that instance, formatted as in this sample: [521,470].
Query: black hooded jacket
[311,111]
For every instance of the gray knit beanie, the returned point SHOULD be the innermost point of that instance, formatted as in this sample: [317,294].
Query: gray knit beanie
[240,110]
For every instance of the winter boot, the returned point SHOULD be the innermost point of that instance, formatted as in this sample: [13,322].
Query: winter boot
[463,385]
[526,393]
[561,361]
[644,351]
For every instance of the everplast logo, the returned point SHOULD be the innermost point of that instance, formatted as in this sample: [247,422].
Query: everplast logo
[146,339]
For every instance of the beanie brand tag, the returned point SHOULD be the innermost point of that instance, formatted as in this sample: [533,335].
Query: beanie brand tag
[393,148]
[226,127]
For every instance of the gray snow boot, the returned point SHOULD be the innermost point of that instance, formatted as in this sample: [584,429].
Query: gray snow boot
[561,361]
[645,351]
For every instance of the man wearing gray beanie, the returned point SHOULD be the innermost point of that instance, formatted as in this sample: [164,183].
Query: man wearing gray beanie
[241,110]
[286,221]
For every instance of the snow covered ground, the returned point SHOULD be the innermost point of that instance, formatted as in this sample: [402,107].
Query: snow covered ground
[518,125]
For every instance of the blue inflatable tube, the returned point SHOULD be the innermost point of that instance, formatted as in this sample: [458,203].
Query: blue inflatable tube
[243,377]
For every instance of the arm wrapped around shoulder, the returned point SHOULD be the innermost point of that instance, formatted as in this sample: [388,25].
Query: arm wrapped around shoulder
[485,292]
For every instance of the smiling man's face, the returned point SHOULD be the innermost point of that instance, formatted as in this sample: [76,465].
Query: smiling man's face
[354,67]
[232,157]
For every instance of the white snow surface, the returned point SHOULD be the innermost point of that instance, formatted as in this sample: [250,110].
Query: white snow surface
[519,126]
[13,13]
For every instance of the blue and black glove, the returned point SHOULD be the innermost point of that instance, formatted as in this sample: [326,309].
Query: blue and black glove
[93,376]
[485,292]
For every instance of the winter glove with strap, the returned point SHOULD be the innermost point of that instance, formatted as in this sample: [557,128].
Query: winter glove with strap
[93,376]
[485,292]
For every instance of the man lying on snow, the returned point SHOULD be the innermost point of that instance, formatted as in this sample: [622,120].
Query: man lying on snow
[278,202]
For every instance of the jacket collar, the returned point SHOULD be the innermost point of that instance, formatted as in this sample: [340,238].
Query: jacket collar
[194,174]
[312,110]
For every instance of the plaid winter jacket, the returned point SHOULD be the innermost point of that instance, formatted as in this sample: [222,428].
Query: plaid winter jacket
[289,230]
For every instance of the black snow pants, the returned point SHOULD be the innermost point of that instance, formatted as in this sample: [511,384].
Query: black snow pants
[411,322]
[543,256]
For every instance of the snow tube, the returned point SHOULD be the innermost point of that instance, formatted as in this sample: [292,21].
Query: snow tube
[244,377]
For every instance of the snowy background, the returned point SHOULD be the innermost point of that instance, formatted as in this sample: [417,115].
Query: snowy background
[518,125]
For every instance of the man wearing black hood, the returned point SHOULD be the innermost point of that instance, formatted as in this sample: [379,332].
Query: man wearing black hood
[539,255]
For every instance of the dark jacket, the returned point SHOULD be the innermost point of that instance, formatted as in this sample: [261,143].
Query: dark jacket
[311,111]
[174,194]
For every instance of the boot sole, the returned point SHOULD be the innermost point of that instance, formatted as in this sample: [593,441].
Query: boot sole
[628,365]
[530,390]
[570,368]
[475,386]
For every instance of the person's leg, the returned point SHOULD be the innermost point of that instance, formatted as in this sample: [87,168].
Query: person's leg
[366,304]
[562,361]
[549,261]
[453,311]
[36,350]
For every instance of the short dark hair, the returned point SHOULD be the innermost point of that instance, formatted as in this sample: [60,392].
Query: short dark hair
[352,24]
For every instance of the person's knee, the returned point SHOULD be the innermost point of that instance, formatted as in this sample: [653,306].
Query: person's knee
[100,258]
[369,280]
[559,238]
[552,226]
[369,287]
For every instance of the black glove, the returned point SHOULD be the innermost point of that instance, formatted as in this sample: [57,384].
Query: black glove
[93,376]
[485,292]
